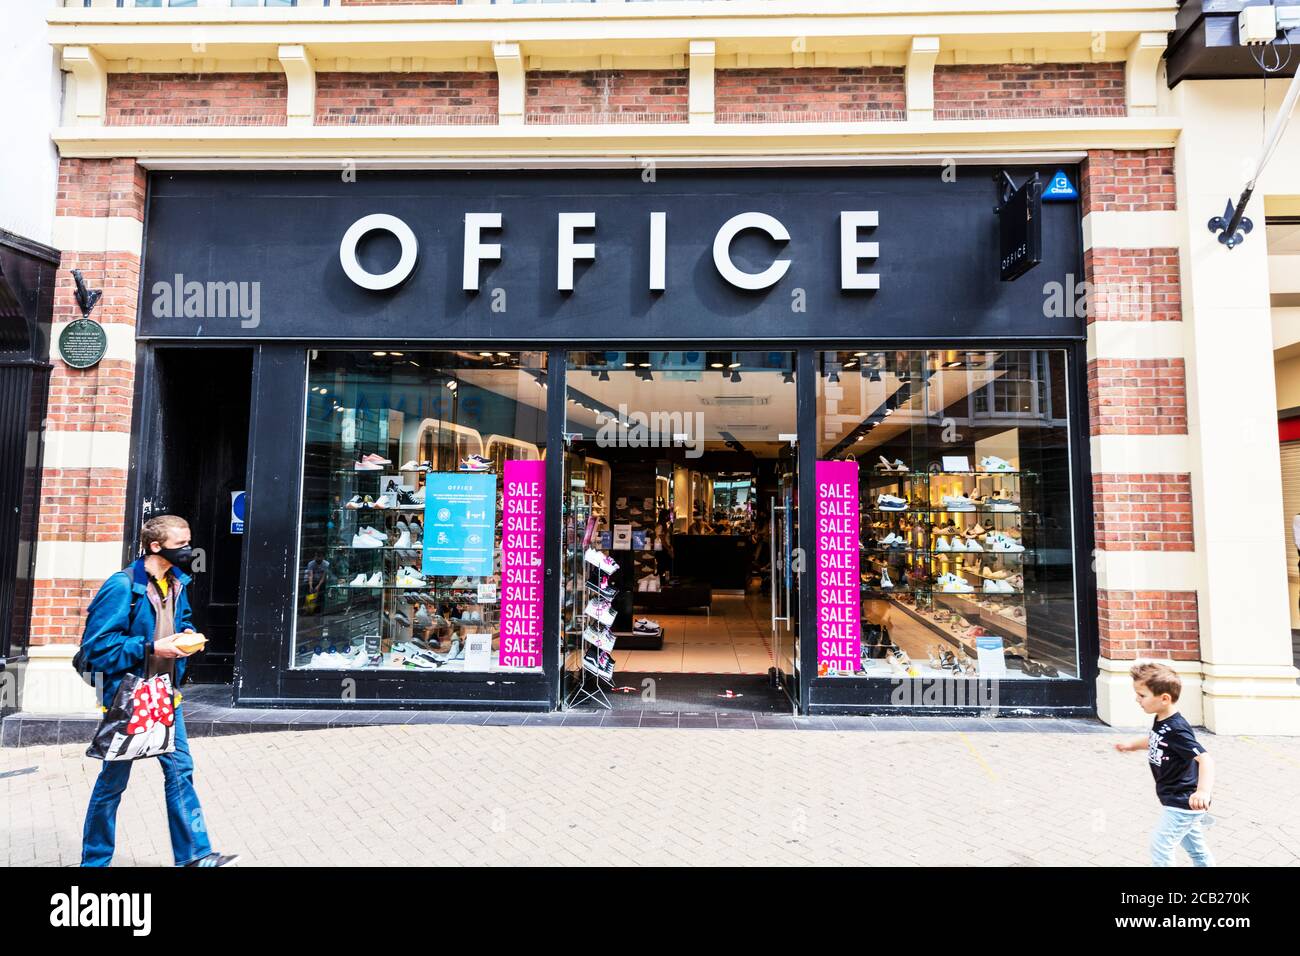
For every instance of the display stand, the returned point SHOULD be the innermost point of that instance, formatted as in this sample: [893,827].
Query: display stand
[588,688]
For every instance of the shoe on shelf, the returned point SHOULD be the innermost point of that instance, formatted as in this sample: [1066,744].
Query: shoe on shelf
[475,463]
[602,587]
[977,530]
[414,465]
[600,560]
[643,625]
[973,545]
[359,581]
[957,503]
[885,581]
[375,580]
[356,502]
[403,540]
[599,636]
[994,463]
[941,544]
[376,459]
[366,541]
[367,466]
[891,503]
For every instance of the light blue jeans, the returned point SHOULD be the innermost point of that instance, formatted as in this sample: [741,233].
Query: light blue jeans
[1181,826]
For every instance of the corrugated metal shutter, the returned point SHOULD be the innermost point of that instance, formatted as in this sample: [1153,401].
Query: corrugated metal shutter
[1290,496]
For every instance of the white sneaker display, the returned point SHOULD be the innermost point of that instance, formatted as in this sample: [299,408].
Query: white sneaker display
[600,560]
[885,581]
[998,587]
[994,463]
[891,503]
[358,582]
[366,541]
[941,544]
[958,503]
[376,580]
[403,540]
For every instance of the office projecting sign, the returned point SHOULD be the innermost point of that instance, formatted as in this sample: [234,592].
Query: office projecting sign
[1020,227]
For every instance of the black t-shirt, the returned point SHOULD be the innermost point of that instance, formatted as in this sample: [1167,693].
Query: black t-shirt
[1172,749]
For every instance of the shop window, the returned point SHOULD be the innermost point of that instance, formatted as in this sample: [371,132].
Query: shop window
[422,512]
[945,538]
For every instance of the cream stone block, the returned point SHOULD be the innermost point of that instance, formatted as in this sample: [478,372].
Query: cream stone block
[1147,570]
[77,560]
[1145,229]
[48,684]
[98,234]
[1117,703]
[67,449]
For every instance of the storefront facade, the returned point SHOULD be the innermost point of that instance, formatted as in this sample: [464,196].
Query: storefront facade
[470,345]
[822,220]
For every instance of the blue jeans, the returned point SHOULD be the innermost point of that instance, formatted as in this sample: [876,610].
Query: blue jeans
[189,832]
[1180,826]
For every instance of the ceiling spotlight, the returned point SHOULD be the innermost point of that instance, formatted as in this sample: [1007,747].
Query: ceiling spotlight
[850,363]
[379,354]
[859,354]
[398,354]
[485,354]
[715,365]
[734,365]
[453,385]
[629,364]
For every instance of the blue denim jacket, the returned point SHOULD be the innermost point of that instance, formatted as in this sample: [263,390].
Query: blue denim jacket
[117,640]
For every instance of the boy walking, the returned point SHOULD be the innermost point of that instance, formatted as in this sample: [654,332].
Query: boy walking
[1183,771]
[132,627]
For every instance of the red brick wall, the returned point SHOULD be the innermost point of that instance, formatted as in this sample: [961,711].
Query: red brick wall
[189,99]
[1143,512]
[1134,285]
[971,91]
[646,95]
[792,95]
[59,610]
[1137,396]
[82,504]
[1149,624]
[100,187]
[1128,180]
[381,98]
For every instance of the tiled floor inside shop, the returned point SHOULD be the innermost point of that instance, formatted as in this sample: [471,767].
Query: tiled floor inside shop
[735,637]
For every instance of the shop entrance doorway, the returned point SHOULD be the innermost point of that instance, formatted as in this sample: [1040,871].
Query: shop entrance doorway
[679,508]
[193,462]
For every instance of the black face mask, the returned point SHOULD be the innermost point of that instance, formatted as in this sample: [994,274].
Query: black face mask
[182,557]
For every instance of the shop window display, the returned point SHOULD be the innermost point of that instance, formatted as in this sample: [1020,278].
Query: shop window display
[953,466]
[422,512]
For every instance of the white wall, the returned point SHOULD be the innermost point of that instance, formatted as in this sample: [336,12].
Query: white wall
[30,96]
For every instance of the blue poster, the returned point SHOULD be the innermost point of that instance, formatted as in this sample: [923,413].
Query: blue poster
[460,519]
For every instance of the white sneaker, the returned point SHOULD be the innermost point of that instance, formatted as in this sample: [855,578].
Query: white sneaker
[958,503]
[358,582]
[973,545]
[941,544]
[409,578]
[994,463]
[366,541]
[403,540]
[891,503]
[998,587]
[885,582]
[374,533]
[600,560]
[376,580]
[1006,545]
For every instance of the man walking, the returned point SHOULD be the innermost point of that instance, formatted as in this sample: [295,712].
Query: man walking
[131,627]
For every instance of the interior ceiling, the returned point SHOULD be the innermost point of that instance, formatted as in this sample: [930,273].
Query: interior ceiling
[757,409]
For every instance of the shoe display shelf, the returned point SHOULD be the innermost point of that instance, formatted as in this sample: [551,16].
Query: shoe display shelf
[384,614]
[584,679]
[916,567]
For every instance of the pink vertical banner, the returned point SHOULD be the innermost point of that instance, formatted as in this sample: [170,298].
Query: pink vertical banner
[523,527]
[839,597]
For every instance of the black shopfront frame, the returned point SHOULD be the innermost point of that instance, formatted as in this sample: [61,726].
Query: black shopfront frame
[263,677]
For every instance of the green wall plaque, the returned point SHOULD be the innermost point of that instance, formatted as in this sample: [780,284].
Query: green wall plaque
[83,343]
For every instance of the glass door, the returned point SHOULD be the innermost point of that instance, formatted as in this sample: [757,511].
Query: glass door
[783,533]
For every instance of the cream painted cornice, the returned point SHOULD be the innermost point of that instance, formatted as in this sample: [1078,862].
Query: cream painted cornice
[619,139]
[1032,29]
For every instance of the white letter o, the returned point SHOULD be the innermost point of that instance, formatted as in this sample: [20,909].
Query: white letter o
[395,276]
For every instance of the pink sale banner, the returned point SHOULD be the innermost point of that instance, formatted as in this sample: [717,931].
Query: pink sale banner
[523,526]
[839,604]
